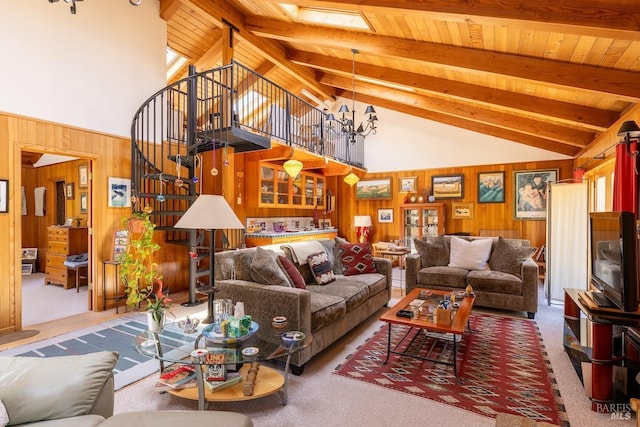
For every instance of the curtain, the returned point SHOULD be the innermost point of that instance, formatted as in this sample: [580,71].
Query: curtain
[567,252]
[625,181]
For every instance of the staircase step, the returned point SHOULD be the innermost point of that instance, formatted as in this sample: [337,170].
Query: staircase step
[186,161]
[166,196]
[168,178]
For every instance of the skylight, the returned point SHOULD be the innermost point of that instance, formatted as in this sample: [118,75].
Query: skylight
[329,17]
[174,62]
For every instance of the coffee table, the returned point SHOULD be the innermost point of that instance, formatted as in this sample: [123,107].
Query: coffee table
[425,322]
[174,346]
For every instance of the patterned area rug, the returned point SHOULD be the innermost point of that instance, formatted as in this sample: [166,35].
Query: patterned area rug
[502,367]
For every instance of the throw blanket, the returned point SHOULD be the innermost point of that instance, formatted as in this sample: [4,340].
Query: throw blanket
[300,251]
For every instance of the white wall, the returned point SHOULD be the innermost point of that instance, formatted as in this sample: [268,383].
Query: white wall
[405,142]
[92,70]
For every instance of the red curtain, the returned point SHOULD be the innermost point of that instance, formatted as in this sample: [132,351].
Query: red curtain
[625,183]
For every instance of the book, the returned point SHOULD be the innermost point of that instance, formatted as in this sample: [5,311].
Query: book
[178,376]
[160,387]
[416,302]
[233,378]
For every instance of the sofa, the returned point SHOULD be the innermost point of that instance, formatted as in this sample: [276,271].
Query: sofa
[327,311]
[77,391]
[500,271]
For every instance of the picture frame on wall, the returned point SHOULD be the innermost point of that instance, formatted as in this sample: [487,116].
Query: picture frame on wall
[83,176]
[447,186]
[4,195]
[385,215]
[491,187]
[69,190]
[84,203]
[29,253]
[462,210]
[373,189]
[120,243]
[531,192]
[408,184]
[119,192]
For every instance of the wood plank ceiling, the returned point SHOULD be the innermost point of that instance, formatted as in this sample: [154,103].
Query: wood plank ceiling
[538,73]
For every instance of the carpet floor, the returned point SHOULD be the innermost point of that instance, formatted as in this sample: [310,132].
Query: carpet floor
[502,367]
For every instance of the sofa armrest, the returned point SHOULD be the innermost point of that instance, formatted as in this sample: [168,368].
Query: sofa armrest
[263,302]
[529,272]
[385,266]
[413,264]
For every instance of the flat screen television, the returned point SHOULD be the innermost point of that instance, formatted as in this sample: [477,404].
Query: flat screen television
[613,257]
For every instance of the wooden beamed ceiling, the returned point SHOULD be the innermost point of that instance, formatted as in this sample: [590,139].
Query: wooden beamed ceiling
[540,73]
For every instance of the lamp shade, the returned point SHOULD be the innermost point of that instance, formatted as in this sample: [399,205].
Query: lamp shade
[362,221]
[209,212]
[631,128]
[292,167]
[351,179]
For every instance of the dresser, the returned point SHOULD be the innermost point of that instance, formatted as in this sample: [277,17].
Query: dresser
[62,242]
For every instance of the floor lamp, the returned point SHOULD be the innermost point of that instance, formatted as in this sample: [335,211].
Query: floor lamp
[208,212]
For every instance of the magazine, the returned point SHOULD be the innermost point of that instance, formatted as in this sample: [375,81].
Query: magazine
[177,376]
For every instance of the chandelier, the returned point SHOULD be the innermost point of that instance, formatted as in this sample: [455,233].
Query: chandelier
[73,3]
[347,122]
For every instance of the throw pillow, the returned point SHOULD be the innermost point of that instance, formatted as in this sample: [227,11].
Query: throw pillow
[471,255]
[291,271]
[356,258]
[508,258]
[264,269]
[321,268]
[433,252]
[338,268]
[4,416]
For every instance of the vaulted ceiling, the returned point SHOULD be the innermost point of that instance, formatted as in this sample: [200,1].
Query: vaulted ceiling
[538,73]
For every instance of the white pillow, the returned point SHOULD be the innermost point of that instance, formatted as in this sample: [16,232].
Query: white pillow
[4,417]
[471,255]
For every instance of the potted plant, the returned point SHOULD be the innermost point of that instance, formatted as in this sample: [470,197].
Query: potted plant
[157,307]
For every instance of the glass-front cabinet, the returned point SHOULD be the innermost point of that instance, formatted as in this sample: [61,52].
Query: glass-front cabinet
[277,189]
[420,220]
[274,187]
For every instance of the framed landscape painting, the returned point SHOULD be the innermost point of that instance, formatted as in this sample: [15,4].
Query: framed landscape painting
[491,187]
[385,215]
[373,189]
[530,192]
[448,186]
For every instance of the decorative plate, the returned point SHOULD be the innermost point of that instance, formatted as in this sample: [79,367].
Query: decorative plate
[250,351]
[209,334]
[292,337]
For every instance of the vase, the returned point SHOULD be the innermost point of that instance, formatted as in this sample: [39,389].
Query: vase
[153,324]
[431,198]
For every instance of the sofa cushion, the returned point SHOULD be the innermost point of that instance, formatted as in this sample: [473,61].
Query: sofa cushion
[450,277]
[508,259]
[325,308]
[353,292]
[472,255]
[494,281]
[321,268]
[265,269]
[79,379]
[292,273]
[356,259]
[376,282]
[434,251]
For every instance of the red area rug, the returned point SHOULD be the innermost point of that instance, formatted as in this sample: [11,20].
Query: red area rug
[502,367]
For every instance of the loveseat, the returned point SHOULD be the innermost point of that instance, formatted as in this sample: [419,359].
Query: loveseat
[327,311]
[501,271]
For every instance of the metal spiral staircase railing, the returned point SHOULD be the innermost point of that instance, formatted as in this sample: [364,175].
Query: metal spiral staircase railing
[230,106]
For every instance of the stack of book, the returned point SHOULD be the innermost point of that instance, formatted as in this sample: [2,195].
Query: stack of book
[233,378]
[176,377]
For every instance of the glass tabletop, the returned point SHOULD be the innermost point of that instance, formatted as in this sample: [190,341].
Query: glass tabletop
[173,345]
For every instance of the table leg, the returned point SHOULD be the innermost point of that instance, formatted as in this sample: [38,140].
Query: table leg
[284,392]
[200,381]
[455,356]
[388,346]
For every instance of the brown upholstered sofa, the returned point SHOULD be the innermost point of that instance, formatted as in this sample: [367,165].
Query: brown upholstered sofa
[326,311]
[510,281]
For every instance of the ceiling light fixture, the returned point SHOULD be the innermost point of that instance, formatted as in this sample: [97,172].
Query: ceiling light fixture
[630,133]
[292,167]
[73,4]
[347,124]
[351,179]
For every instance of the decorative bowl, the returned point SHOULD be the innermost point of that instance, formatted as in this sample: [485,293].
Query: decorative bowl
[211,336]
[290,338]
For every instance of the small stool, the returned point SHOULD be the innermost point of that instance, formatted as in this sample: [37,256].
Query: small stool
[81,269]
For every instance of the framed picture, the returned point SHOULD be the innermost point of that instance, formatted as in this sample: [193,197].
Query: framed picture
[69,191]
[325,223]
[27,269]
[83,176]
[29,253]
[530,192]
[120,243]
[84,202]
[460,210]
[4,195]
[119,192]
[448,186]
[491,187]
[385,215]
[373,189]
[409,184]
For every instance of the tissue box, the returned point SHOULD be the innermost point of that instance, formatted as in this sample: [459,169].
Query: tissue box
[443,316]
[239,326]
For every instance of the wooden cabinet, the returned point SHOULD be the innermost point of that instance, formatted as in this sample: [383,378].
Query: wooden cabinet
[61,242]
[420,220]
[282,238]
[278,190]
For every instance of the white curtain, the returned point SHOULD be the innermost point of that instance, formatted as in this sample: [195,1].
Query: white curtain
[567,252]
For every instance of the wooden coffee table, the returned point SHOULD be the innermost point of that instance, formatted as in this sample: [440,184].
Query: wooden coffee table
[425,321]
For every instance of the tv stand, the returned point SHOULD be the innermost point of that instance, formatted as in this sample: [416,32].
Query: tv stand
[599,323]
[600,299]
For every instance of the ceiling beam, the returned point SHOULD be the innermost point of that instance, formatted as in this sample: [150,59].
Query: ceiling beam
[521,124]
[602,81]
[594,119]
[532,141]
[597,18]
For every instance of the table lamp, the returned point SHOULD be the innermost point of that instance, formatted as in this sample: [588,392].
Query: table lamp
[208,212]
[363,227]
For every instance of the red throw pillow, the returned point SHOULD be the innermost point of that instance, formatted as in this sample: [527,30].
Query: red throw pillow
[356,258]
[292,272]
